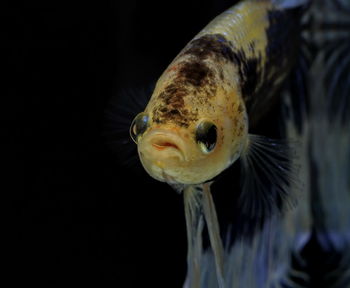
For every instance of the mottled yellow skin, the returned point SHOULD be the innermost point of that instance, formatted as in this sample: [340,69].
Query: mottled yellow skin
[242,24]
[192,166]
[184,97]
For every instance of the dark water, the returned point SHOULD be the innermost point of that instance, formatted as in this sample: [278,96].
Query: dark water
[76,215]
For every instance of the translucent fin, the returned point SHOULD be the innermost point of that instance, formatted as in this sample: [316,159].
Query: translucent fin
[290,4]
[118,115]
[267,174]
[214,233]
[198,201]
[177,187]
[194,225]
[298,105]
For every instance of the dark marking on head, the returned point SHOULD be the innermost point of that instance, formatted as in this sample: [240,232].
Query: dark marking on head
[172,106]
[181,117]
[211,45]
[195,73]
[193,77]
[218,48]
[174,93]
[173,98]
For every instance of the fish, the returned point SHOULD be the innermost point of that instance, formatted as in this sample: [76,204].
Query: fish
[198,119]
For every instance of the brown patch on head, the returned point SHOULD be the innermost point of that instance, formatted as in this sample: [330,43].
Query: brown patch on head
[215,45]
[193,77]
[195,73]
[172,106]
[173,96]
[181,117]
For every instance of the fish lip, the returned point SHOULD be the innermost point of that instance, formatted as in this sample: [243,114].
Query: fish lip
[161,145]
[162,140]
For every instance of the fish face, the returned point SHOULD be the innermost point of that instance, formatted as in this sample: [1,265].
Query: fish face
[185,155]
[195,124]
[173,154]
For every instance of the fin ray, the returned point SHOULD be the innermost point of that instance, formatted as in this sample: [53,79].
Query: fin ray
[268,172]
[118,116]
[194,226]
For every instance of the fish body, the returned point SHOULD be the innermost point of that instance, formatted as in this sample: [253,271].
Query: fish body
[197,120]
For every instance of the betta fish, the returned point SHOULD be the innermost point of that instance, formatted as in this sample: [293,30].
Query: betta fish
[197,121]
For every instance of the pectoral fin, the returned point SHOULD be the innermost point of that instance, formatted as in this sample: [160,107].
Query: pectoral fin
[268,173]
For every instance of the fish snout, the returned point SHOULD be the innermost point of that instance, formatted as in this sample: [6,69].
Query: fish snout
[168,148]
[164,145]
[160,145]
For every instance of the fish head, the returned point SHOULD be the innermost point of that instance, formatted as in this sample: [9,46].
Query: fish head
[192,145]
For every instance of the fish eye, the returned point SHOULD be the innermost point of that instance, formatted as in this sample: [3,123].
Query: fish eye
[206,136]
[138,126]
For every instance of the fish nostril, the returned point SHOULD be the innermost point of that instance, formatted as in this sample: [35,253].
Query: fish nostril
[161,145]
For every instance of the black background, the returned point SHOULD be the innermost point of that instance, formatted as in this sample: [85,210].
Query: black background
[76,214]
[77,217]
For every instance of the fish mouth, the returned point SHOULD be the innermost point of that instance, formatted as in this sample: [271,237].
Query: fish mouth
[164,144]
[161,145]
